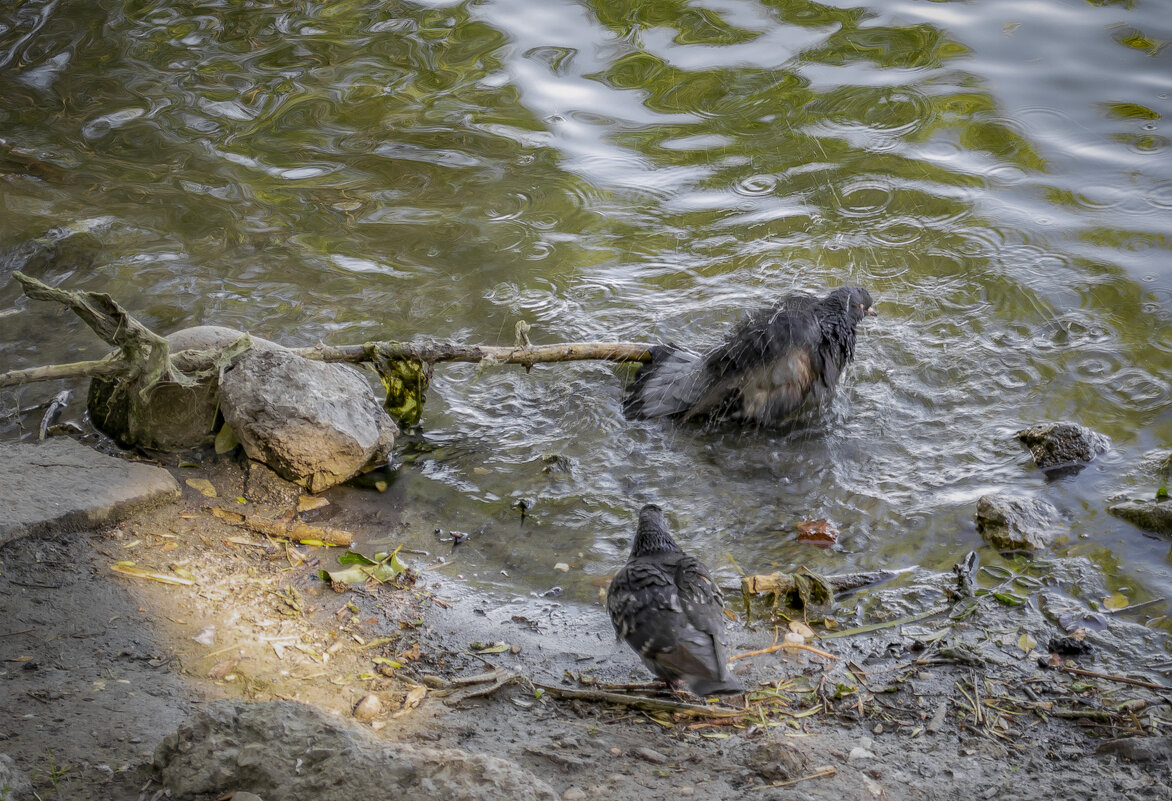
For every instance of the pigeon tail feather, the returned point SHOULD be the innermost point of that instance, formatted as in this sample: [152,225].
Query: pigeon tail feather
[668,385]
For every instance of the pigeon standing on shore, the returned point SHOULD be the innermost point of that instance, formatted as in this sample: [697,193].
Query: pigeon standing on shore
[767,368]
[667,606]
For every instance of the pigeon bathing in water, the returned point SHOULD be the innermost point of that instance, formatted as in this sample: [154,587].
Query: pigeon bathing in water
[767,368]
[667,607]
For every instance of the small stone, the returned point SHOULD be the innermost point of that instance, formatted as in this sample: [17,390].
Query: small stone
[1011,523]
[650,755]
[573,794]
[878,729]
[562,566]
[206,636]
[1062,445]
[1150,515]
[858,754]
[686,790]
[243,796]
[368,708]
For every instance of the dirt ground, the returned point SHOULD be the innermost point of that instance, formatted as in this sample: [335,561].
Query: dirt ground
[97,666]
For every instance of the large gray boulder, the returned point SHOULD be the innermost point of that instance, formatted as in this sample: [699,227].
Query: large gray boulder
[1063,445]
[289,751]
[1011,523]
[175,417]
[62,484]
[313,423]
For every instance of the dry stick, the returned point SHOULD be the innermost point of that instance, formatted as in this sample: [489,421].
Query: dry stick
[781,646]
[1109,677]
[641,702]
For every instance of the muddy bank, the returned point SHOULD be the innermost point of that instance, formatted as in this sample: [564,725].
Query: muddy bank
[99,668]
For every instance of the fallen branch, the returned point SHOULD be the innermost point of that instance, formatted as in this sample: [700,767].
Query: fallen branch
[144,355]
[304,533]
[641,702]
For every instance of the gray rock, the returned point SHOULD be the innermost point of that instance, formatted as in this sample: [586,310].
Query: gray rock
[1059,445]
[294,752]
[313,423]
[175,417]
[1140,749]
[14,785]
[60,483]
[1153,516]
[777,760]
[264,486]
[1011,523]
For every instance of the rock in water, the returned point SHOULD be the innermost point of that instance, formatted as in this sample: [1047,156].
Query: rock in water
[1010,523]
[770,364]
[667,606]
[313,423]
[1058,446]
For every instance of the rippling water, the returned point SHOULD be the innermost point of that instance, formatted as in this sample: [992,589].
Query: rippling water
[997,174]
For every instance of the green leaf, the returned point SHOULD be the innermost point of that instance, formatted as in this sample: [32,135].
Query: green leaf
[226,440]
[1116,601]
[1009,598]
[359,568]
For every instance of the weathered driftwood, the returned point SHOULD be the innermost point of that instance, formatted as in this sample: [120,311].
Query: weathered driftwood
[144,356]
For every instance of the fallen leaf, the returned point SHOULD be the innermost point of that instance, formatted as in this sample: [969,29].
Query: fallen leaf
[307,503]
[798,627]
[226,440]
[817,532]
[1026,643]
[359,568]
[1116,601]
[222,669]
[202,486]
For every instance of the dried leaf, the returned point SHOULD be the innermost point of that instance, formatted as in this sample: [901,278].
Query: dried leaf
[138,572]
[798,627]
[307,503]
[202,486]
[817,532]
[1026,643]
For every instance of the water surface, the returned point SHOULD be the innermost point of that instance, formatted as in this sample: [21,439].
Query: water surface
[997,174]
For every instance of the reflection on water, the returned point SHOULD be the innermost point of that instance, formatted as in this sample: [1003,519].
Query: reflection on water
[998,176]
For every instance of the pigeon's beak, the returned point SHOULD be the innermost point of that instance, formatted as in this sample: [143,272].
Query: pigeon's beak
[869,312]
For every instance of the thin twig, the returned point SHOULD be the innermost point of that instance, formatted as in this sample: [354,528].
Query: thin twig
[781,646]
[1109,677]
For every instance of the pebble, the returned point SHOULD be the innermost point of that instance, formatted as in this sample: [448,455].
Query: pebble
[687,790]
[573,794]
[858,754]
[368,708]
[651,755]
[866,742]
[878,729]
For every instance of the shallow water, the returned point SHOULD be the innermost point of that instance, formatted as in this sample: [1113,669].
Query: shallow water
[997,174]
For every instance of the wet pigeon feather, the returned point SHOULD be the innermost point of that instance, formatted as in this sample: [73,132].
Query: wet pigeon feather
[767,367]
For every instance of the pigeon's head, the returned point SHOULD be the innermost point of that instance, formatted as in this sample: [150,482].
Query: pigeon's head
[857,300]
[652,535]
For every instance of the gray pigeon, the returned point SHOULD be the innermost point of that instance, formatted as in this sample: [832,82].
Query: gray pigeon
[769,365]
[667,607]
